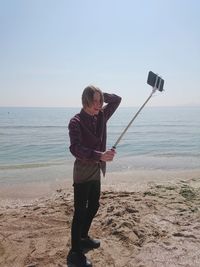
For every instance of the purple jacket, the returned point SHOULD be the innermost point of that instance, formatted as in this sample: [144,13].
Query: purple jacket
[88,133]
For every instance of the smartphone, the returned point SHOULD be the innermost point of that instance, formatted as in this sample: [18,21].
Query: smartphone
[155,81]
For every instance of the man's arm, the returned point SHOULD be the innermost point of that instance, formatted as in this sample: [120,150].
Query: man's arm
[113,102]
[81,152]
[76,148]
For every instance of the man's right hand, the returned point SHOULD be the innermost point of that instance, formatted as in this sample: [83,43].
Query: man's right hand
[108,155]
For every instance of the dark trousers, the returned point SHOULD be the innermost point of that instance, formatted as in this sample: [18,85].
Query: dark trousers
[86,205]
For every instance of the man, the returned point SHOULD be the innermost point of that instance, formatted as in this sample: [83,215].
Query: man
[87,132]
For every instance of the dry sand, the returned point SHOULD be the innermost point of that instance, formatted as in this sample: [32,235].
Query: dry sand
[154,226]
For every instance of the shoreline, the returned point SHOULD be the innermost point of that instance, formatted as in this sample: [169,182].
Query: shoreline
[118,181]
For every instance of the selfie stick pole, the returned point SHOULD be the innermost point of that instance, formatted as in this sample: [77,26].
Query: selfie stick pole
[125,130]
[155,87]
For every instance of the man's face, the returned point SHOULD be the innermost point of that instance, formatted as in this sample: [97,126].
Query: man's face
[96,105]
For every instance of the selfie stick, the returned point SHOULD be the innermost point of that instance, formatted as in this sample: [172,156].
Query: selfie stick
[157,83]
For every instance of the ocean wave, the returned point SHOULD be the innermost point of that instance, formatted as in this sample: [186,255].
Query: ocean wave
[177,155]
[31,126]
[29,165]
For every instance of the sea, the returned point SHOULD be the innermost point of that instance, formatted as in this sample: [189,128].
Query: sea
[34,142]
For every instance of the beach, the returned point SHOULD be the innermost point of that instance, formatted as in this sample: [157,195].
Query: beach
[146,219]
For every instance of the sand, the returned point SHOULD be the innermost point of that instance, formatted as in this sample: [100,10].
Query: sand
[154,225]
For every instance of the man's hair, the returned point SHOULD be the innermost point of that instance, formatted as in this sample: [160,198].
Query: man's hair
[88,95]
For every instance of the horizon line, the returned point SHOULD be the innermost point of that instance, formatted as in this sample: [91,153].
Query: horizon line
[151,106]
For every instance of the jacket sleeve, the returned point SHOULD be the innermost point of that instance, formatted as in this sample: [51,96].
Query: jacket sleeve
[78,150]
[113,102]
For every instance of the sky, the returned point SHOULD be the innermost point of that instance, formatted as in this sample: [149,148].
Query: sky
[51,50]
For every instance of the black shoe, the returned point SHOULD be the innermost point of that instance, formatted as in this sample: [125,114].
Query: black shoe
[77,259]
[89,243]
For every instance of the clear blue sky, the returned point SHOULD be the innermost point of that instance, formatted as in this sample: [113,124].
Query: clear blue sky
[50,50]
